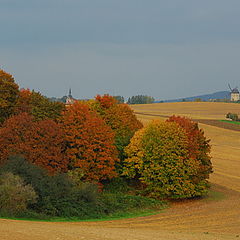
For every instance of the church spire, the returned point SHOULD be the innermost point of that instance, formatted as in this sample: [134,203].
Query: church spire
[70,93]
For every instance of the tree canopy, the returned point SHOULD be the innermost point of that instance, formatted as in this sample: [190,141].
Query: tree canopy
[9,91]
[39,142]
[89,143]
[159,157]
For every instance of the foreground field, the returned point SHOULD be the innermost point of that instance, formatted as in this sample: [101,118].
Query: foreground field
[216,217]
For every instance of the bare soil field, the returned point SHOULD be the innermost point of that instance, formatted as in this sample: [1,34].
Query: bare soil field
[215,217]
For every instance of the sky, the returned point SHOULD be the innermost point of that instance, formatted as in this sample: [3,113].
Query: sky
[163,48]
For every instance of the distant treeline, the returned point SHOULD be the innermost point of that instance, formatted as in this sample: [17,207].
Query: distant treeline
[140,99]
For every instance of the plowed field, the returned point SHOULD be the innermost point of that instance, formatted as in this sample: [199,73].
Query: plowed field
[215,217]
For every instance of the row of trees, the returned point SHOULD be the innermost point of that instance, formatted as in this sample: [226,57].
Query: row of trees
[140,99]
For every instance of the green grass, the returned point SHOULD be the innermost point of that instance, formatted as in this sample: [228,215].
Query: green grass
[215,196]
[229,121]
[115,216]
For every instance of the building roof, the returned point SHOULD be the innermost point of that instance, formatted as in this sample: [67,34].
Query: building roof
[235,90]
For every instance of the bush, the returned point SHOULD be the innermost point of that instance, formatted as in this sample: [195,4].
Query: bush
[122,203]
[232,116]
[15,195]
[158,156]
[58,195]
[117,185]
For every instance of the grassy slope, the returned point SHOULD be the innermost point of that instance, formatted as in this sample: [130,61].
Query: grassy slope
[228,121]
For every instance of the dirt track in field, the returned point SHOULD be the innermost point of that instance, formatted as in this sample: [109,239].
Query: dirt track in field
[216,217]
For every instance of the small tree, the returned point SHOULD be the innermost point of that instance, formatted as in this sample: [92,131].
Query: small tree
[15,195]
[158,156]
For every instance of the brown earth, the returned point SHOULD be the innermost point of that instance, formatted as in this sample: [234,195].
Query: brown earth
[214,217]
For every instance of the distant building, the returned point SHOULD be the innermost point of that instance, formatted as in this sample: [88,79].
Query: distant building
[235,95]
[70,100]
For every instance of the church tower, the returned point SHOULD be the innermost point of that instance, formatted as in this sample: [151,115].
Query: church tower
[70,100]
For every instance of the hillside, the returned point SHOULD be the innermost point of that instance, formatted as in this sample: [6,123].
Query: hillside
[205,97]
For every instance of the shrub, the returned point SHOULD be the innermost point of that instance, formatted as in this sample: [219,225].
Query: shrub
[15,195]
[232,116]
[158,156]
[58,195]
[117,185]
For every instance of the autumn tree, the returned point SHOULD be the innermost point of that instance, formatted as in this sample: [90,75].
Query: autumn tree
[158,156]
[89,143]
[38,106]
[198,146]
[8,95]
[120,118]
[39,142]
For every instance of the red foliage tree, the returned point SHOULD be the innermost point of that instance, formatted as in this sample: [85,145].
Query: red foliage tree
[24,101]
[106,101]
[198,146]
[39,142]
[89,143]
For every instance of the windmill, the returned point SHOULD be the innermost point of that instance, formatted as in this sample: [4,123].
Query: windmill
[235,96]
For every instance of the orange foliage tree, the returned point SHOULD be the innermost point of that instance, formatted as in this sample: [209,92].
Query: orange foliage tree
[89,143]
[158,156]
[120,118]
[198,146]
[8,95]
[39,142]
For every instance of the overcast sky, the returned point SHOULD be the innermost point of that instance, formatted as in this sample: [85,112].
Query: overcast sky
[163,48]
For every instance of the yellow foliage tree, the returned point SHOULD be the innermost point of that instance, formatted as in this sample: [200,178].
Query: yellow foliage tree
[158,156]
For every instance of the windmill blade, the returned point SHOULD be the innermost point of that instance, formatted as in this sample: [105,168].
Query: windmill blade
[230,87]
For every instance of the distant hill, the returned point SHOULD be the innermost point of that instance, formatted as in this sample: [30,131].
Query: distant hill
[205,97]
